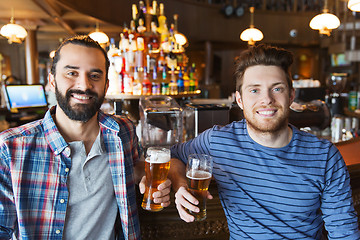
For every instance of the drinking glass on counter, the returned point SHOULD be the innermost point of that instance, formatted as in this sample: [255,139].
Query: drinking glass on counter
[198,175]
[157,165]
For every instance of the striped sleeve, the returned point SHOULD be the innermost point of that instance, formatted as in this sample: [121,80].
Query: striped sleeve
[337,205]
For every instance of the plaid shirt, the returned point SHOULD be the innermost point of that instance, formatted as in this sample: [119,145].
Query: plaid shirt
[34,166]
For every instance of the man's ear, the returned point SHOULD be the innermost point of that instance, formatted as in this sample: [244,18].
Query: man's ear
[238,99]
[51,82]
[106,85]
[292,95]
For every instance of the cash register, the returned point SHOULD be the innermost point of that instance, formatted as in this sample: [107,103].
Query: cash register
[25,102]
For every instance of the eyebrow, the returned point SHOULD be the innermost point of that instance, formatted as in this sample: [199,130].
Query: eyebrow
[257,85]
[91,70]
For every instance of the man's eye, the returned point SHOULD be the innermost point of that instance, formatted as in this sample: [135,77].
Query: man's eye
[277,89]
[253,90]
[71,73]
[95,76]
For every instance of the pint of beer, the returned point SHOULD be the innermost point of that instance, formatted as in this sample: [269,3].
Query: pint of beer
[198,174]
[157,165]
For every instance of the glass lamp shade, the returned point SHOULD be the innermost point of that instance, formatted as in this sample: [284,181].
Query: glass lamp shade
[100,37]
[324,22]
[354,5]
[13,32]
[180,38]
[251,35]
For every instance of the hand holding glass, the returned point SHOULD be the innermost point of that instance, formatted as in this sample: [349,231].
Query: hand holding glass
[198,175]
[157,165]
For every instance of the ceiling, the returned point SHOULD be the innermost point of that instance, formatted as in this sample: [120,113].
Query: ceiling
[52,20]
[55,20]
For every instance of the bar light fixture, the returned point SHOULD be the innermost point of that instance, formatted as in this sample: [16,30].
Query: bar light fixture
[15,33]
[252,34]
[354,5]
[325,22]
[99,36]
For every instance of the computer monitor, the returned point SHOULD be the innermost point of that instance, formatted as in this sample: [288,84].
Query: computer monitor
[26,97]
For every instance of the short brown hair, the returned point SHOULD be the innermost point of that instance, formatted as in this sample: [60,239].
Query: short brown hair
[266,55]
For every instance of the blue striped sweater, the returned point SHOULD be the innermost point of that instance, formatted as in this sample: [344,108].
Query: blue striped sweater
[278,193]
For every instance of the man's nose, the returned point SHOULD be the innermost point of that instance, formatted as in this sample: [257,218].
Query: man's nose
[84,82]
[267,97]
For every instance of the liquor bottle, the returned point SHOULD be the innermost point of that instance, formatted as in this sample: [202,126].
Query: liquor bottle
[155,83]
[146,84]
[171,60]
[122,76]
[141,15]
[162,22]
[131,53]
[134,13]
[154,17]
[191,81]
[139,54]
[113,51]
[124,43]
[141,28]
[164,84]
[150,58]
[128,82]
[113,76]
[193,78]
[186,81]
[180,82]
[154,38]
[161,61]
[137,87]
[172,85]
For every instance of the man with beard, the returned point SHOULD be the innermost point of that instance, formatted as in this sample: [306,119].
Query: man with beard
[72,174]
[274,181]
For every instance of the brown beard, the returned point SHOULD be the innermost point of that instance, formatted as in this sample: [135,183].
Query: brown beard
[271,127]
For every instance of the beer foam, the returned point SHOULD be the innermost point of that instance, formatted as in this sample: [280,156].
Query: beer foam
[158,155]
[198,175]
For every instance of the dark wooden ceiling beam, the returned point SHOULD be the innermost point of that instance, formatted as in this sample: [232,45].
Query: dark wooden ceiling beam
[50,8]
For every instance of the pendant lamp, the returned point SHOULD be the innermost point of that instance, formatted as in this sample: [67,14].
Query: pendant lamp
[252,34]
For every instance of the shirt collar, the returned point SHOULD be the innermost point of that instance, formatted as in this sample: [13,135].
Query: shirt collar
[55,139]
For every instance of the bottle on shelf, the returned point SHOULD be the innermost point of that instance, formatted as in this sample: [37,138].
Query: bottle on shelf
[155,90]
[193,83]
[171,60]
[137,86]
[162,29]
[161,64]
[186,81]
[139,54]
[154,17]
[146,84]
[134,14]
[154,38]
[141,14]
[131,53]
[173,88]
[164,83]
[180,82]
[141,28]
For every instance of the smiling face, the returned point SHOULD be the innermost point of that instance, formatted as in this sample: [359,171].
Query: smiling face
[80,81]
[265,99]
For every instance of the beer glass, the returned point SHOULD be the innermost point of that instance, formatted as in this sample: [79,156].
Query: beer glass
[157,165]
[198,175]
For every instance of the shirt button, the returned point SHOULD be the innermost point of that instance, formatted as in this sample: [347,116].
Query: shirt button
[67,169]
[62,200]
[57,231]
[67,151]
